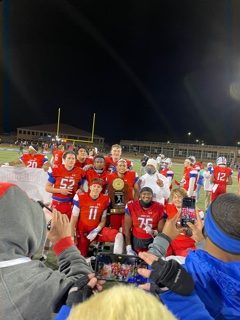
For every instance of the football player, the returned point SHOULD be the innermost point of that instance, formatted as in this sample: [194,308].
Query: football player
[221,177]
[143,220]
[63,182]
[89,219]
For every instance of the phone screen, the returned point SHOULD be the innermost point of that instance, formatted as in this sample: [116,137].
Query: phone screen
[120,268]
[188,211]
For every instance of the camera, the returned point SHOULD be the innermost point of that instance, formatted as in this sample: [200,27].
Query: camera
[188,211]
[119,268]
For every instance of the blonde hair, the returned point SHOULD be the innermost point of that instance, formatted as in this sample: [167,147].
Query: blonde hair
[121,303]
[117,146]
[178,191]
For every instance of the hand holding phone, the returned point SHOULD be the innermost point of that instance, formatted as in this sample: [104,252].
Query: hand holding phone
[120,268]
[188,211]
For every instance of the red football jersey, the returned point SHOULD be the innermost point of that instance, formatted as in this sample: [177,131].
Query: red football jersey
[83,164]
[130,177]
[142,217]
[221,174]
[34,160]
[110,164]
[189,173]
[60,177]
[57,157]
[90,211]
[92,174]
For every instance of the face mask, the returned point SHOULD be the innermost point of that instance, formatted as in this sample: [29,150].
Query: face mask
[98,170]
[150,170]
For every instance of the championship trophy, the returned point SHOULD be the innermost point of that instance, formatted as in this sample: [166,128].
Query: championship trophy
[118,192]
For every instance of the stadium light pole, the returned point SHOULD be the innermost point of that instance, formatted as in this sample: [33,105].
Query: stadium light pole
[58,122]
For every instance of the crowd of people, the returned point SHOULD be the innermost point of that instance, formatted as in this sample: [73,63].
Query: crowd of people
[98,199]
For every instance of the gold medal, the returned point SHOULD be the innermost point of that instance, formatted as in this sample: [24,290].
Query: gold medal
[118,184]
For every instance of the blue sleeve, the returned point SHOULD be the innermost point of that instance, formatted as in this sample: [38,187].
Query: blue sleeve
[63,313]
[185,307]
[51,179]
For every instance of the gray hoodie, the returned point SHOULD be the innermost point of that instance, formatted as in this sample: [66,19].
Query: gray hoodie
[27,289]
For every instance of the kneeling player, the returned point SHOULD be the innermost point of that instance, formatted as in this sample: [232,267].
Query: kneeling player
[89,219]
[143,220]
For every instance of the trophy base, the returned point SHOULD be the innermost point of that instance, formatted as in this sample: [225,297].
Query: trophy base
[117,211]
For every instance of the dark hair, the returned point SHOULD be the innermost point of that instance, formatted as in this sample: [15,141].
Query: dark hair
[226,213]
[69,152]
[82,147]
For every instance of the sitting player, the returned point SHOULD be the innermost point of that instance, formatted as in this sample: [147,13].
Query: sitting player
[143,220]
[89,219]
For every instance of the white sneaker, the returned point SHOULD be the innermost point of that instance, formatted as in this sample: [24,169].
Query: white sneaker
[118,244]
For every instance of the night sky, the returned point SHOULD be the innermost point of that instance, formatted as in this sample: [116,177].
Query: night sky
[150,69]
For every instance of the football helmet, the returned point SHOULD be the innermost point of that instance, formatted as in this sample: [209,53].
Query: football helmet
[192,159]
[221,161]
[167,163]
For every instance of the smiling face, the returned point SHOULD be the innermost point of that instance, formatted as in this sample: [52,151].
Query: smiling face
[177,200]
[95,190]
[121,167]
[146,196]
[116,153]
[99,163]
[82,154]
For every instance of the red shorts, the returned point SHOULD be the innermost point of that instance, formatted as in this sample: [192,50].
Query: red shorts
[63,207]
[106,235]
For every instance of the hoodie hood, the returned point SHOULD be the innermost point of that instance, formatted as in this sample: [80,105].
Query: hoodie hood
[22,223]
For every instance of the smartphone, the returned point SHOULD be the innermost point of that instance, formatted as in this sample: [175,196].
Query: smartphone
[119,268]
[188,211]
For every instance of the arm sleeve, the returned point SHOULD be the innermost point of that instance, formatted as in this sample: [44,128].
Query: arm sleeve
[72,264]
[185,308]
[76,206]
[159,245]
[165,189]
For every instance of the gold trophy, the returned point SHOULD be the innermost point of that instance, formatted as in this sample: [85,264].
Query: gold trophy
[118,193]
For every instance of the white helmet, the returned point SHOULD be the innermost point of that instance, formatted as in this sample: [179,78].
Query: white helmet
[192,159]
[167,162]
[221,160]
[210,164]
